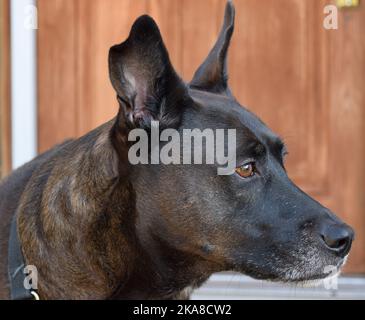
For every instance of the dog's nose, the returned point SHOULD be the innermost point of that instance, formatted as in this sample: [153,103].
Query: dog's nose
[338,238]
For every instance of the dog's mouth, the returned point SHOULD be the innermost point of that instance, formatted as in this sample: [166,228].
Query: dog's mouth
[317,281]
[302,275]
[330,274]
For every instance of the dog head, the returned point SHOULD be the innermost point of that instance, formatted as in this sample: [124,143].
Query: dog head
[256,220]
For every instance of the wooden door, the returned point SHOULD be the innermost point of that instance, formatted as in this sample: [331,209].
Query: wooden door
[304,81]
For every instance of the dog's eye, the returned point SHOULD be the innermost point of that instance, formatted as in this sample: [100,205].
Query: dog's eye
[247,170]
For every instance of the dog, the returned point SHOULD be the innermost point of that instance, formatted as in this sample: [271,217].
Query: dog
[97,227]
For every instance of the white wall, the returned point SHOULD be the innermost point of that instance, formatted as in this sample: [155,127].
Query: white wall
[23,81]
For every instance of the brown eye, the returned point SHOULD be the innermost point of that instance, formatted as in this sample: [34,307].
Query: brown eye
[247,170]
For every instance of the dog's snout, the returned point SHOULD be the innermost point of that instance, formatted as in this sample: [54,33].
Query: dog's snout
[337,238]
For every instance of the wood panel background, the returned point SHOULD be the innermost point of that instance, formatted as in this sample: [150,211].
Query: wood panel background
[304,81]
[5,132]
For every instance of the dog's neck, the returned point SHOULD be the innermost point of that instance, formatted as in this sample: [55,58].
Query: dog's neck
[170,275]
[88,244]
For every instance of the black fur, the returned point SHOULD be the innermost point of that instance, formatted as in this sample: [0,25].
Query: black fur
[98,227]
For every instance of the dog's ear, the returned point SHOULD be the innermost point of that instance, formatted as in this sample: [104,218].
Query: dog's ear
[212,74]
[141,73]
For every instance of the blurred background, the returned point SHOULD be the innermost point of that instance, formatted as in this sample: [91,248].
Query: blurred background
[302,74]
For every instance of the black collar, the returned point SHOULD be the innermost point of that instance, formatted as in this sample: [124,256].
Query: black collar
[16,267]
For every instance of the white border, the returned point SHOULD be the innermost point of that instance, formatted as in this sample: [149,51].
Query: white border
[23,85]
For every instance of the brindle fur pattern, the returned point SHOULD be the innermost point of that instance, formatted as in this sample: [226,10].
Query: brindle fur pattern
[98,228]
